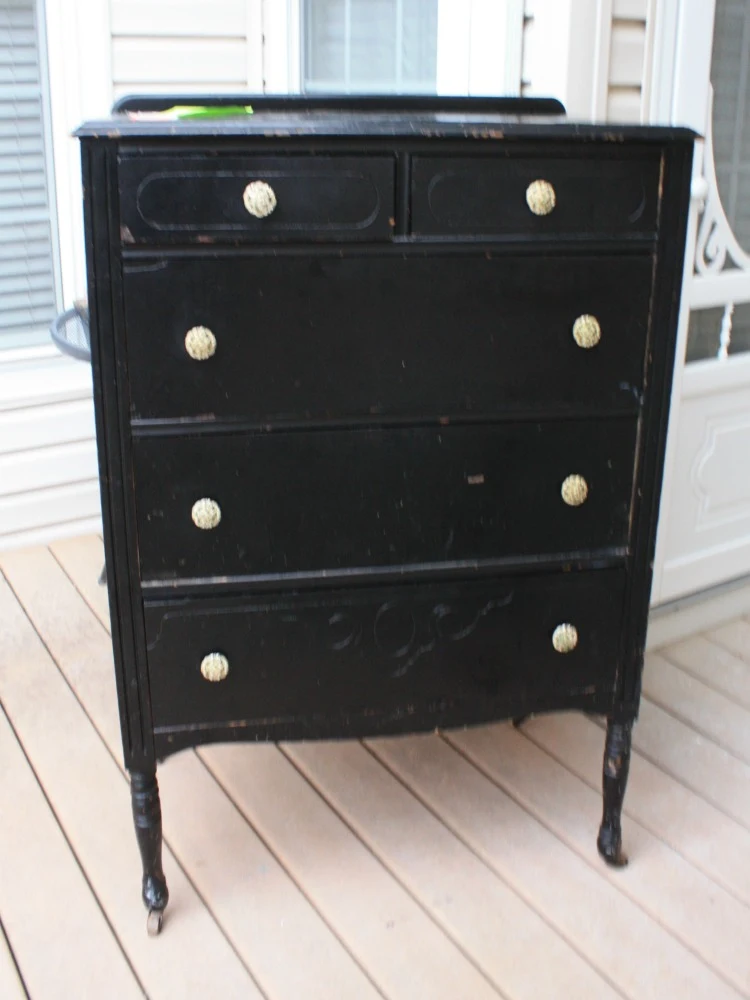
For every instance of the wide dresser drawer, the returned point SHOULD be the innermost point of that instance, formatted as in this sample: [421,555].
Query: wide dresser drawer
[297,338]
[517,195]
[373,660]
[207,198]
[341,501]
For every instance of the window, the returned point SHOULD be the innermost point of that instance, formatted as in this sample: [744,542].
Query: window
[375,46]
[393,46]
[27,273]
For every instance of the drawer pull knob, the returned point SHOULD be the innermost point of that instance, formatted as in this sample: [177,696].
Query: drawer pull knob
[540,197]
[215,667]
[586,331]
[565,638]
[259,199]
[206,514]
[200,343]
[574,490]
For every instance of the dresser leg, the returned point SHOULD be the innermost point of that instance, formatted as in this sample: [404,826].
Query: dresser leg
[144,792]
[615,779]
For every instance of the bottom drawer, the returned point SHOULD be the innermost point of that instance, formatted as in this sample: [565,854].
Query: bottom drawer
[377,660]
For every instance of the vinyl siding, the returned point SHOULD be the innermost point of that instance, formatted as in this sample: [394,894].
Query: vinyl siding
[48,469]
[626,90]
[624,39]
[186,45]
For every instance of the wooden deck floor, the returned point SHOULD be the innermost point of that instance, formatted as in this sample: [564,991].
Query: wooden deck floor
[459,866]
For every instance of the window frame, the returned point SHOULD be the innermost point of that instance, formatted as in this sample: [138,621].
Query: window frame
[470,32]
[74,59]
[36,339]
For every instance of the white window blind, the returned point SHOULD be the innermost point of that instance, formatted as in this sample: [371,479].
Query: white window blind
[27,280]
[369,46]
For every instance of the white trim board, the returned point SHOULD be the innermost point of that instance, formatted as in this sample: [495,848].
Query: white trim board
[52,533]
[52,380]
[79,44]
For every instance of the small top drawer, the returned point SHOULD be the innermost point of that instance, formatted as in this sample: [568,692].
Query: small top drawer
[208,199]
[515,196]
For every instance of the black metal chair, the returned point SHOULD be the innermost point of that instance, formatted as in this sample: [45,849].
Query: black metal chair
[71,334]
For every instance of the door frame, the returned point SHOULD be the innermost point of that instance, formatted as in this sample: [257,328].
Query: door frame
[702,390]
[680,95]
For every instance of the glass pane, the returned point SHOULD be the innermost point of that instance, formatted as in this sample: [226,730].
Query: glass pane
[704,332]
[731,116]
[369,46]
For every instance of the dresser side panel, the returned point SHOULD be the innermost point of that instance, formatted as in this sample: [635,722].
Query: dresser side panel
[660,359]
[98,163]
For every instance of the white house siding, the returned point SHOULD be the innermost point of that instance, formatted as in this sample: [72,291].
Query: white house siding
[182,45]
[627,91]
[601,72]
[48,468]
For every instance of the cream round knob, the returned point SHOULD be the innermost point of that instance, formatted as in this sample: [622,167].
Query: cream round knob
[206,514]
[215,667]
[540,197]
[259,199]
[574,490]
[200,343]
[565,638]
[586,331]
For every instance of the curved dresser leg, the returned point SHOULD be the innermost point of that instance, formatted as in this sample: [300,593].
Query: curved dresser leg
[614,781]
[144,792]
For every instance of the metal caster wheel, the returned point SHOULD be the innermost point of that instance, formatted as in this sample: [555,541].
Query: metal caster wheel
[154,922]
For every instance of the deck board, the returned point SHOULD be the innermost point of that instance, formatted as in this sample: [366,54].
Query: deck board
[90,798]
[56,914]
[260,923]
[586,909]
[11,987]
[403,949]
[478,910]
[700,764]
[714,665]
[701,833]
[734,636]
[419,866]
[83,559]
[716,926]
[708,712]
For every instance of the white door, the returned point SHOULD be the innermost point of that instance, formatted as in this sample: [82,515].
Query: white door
[704,535]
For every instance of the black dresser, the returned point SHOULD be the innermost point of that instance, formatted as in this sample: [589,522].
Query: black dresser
[381,394]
